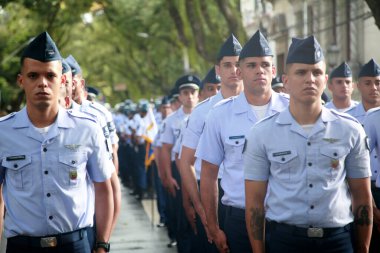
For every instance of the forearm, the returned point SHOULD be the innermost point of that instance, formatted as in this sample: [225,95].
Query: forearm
[104,210]
[166,162]
[209,197]
[115,183]
[188,177]
[363,212]
[255,192]
[115,157]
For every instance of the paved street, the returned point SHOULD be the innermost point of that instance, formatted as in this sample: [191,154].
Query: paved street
[135,231]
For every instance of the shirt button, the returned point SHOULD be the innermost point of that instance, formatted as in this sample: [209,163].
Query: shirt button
[311,185]
[45,149]
[375,171]
[310,164]
[73,162]
[308,143]
[375,156]
[311,207]
[335,154]
[48,195]
[50,217]
[15,165]
[46,172]
[236,142]
[283,159]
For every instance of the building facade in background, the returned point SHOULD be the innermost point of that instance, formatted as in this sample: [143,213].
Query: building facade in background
[345,29]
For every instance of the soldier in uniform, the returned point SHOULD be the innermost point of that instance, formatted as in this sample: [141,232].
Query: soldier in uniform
[231,85]
[370,77]
[277,85]
[188,87]
[48,167]
[210,85]
[223,138]
[307,169]
[341,86]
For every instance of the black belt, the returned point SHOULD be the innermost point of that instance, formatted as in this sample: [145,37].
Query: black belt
[230,210]
[49,241]
[307,232]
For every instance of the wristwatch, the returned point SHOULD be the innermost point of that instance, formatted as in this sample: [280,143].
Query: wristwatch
[103,245]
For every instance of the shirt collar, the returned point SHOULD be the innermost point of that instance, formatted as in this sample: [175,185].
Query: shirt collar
[286,118]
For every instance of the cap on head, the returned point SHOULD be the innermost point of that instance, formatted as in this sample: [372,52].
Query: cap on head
[144,107]
[188,81]
[256,46]
[75,68]
[65,66]
[92,90]
[211,77]
[231,47]
[343,70]
[370,69]
[165,101]
[307,51]
[277,82]
[42,48]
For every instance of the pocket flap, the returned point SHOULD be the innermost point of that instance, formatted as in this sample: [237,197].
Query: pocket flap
[334,152]
[72,160]
[283,155]
[16,162]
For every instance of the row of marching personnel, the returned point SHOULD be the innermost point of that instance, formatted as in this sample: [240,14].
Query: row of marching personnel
[248,169]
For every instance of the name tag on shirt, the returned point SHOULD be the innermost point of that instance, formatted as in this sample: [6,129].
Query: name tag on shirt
[236,137]
[16,158]
[282,153]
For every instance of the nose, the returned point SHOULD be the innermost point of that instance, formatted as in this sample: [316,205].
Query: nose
[310,78]
[43,83]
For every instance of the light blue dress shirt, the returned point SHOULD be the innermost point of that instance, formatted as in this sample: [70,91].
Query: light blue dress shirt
[195,127]
[360,114]
[307,171]
[330,105]
[47,181]
[171,128]
[225,130]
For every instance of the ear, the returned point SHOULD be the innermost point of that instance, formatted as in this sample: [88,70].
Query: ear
[217,69]
[63,80]
[285,79]
[20,81]
[274,70]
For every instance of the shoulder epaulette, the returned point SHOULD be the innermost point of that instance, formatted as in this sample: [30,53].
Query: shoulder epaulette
[225,101]
[370,111]
[269,117]
[7,116]
[79,114]
[201,103]
[344,115]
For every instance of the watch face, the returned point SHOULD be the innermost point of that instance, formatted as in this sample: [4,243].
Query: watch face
[103,245]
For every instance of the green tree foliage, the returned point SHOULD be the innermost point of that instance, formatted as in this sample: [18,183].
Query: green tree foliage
[137,44]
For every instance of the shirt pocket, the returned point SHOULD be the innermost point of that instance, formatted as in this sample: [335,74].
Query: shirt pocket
[72,169]
[284,164]
[332,161]
[19,173]
[234,150]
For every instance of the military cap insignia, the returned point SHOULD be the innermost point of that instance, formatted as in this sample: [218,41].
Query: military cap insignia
[330,140]
[190,78]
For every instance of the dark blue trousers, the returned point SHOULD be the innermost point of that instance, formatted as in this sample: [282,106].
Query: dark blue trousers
[236,231]
[160,192]
[288,240]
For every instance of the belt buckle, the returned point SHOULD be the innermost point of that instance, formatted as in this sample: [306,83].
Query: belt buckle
[48,242]
[315,232]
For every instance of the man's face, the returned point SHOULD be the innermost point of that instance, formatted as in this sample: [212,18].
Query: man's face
[188,97]
[305,82]
[256,73]
[165,110]
[369,88]
[226,69]
[210,89]
[78,88]
[41,82]
[341,87]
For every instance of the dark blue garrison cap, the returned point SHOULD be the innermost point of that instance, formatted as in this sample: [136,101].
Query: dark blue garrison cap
[92,90]
[188,81]
[343,70]
[211,77]
[307,51]
[65,66]
[165,101]
[231,47]
[75,68]
[277,82]
[256,46]
[42,49]
[370,69]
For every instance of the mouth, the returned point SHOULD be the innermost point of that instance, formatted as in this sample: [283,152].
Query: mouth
[42,94]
